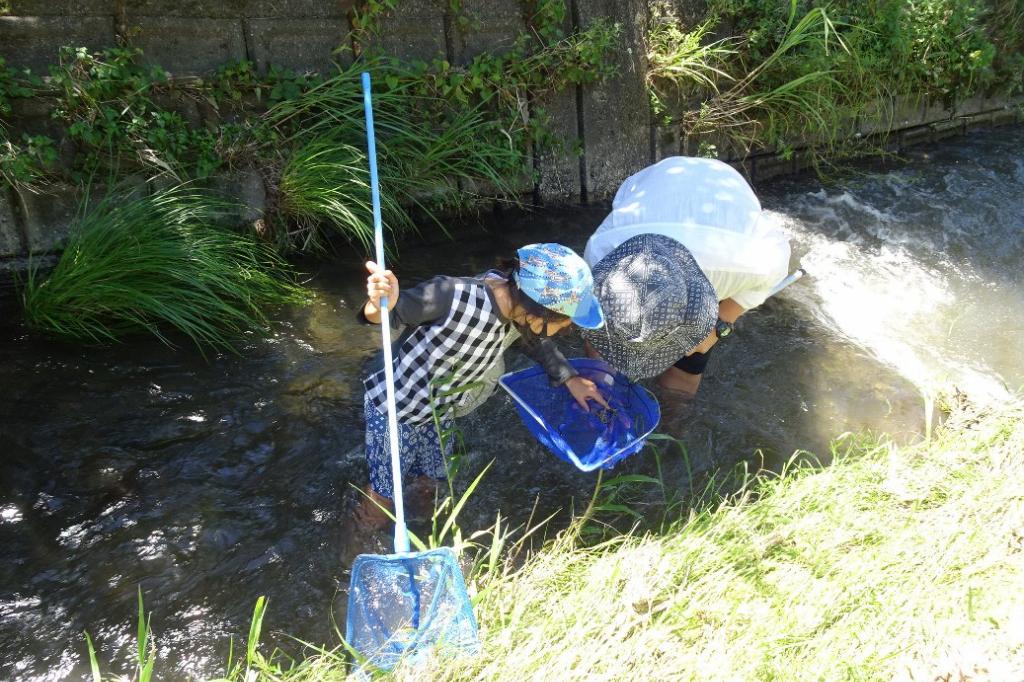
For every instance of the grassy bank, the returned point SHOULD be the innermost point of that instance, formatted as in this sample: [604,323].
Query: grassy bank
[893,562]
[902,563]
[896,563]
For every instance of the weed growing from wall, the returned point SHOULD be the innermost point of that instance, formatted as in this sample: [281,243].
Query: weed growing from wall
[951,56]
[25,160]
[365,20]
[695,82]
[937,48]
[25,163]
[122,113]
[11,85]
[799,74]
[684,68]
[151,263]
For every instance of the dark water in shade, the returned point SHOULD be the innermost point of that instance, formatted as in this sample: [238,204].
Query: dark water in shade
[210,483]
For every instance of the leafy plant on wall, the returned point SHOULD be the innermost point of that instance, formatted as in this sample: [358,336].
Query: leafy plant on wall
[801,73]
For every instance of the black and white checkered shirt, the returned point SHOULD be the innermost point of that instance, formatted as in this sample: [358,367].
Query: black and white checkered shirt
[437,366]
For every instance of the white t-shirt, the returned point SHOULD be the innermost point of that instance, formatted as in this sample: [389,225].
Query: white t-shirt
[710,209]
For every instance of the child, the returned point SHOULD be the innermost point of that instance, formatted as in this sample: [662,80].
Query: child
[456,329]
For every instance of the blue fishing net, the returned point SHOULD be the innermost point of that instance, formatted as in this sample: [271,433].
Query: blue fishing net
[599,438]
[403,606]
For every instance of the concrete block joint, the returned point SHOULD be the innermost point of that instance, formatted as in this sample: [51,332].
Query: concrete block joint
[11,238]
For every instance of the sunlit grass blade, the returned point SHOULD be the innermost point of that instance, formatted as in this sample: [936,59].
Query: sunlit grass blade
[142,636]
[94,664]
[255,627]
[450,522]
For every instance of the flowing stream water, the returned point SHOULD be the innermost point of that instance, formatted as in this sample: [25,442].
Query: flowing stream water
[210,482]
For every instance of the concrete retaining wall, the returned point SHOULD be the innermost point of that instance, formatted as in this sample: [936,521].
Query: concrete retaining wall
[606,129]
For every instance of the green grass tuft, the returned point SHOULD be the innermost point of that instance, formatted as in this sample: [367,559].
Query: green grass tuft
[154,263]
[325,183]
[429,156]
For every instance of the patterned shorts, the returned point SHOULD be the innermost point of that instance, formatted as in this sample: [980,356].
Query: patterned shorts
[420,447]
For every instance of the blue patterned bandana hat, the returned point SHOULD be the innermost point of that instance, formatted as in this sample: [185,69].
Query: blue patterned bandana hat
[560,280]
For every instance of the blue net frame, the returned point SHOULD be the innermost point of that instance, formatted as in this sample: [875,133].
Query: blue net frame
[403,607]
[588,440]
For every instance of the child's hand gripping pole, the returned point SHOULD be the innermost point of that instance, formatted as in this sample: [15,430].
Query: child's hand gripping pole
[401,535]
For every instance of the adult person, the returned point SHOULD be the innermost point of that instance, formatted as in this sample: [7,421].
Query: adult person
[685,251]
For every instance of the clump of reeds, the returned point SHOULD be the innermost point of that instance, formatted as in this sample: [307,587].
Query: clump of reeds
[158,263]
[807,106]
[427,155]
[684,64]
[711,90]
[325,183]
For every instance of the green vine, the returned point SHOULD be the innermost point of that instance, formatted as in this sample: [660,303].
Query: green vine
[511,85]
[24,162]
[12,86]
[106,102]
[529,67]
[365,20]
[782,81]
[29,162]
[546,18]
[119,114]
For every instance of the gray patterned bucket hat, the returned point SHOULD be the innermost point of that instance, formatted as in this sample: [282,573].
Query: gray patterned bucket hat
[657,302]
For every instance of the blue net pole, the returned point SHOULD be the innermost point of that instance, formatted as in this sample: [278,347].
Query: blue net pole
[403,605]
[401,535]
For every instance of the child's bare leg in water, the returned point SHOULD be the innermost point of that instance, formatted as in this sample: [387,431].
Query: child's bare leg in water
[370,515]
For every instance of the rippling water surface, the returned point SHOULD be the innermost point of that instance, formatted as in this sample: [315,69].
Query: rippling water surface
[207,483]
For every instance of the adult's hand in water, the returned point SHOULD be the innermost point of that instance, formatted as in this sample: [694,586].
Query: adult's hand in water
[379,284]
[583,390]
